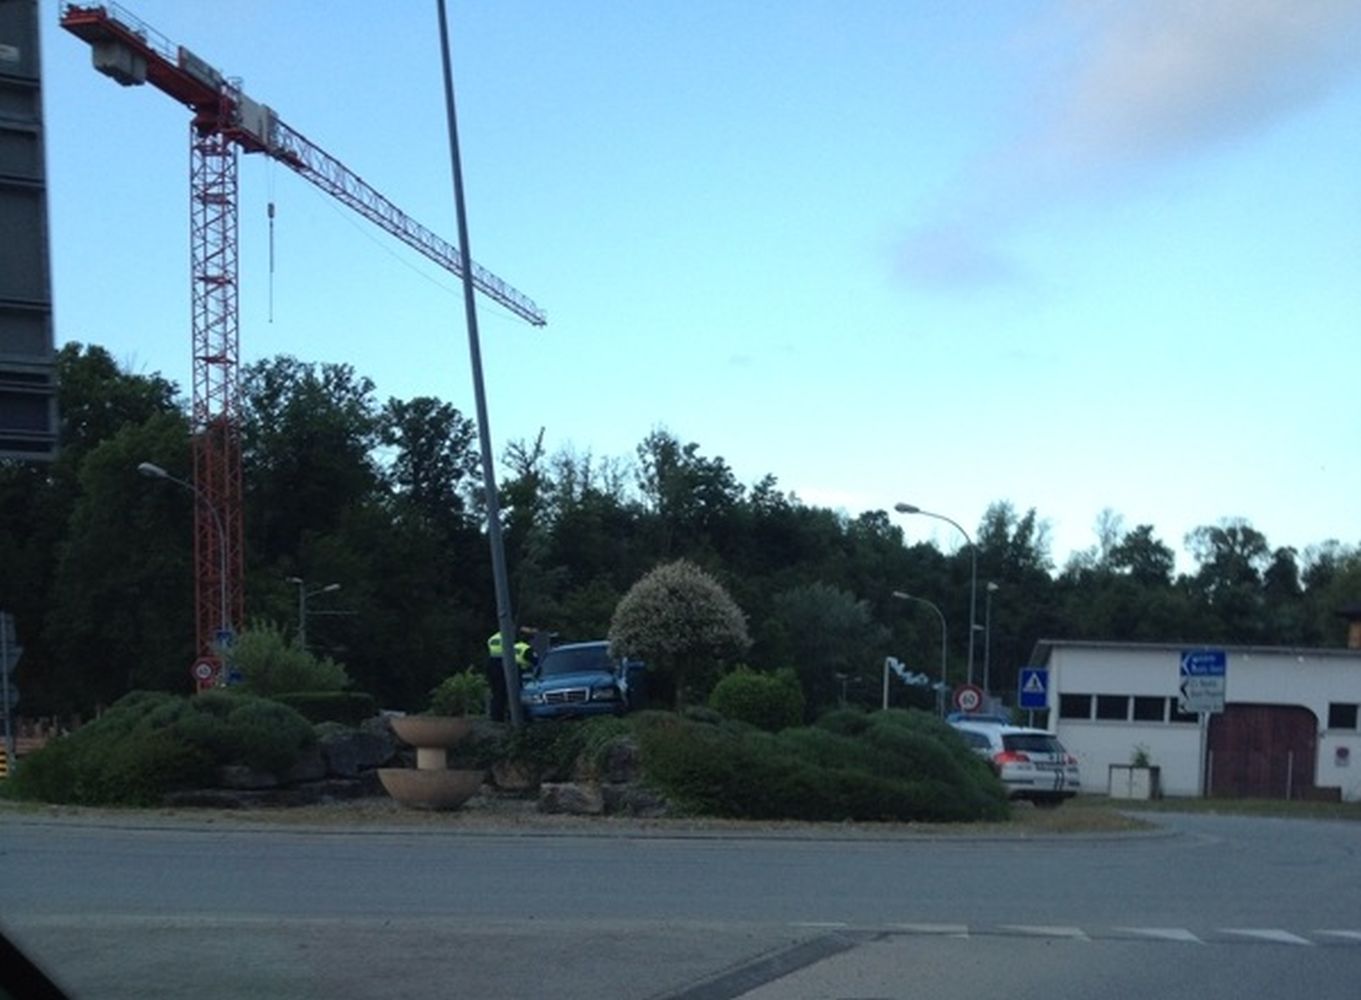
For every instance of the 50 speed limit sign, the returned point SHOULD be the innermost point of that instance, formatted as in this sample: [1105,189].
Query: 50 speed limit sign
[204,669]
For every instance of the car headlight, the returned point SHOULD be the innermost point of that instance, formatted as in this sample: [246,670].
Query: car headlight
[532,697]
[610,693]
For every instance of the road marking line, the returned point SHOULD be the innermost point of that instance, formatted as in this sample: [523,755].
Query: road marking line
[1162,933]
[1037,930]
[1345,935]
[945,930]
[1280,937]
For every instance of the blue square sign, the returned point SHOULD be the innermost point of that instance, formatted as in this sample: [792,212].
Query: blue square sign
[1033,687]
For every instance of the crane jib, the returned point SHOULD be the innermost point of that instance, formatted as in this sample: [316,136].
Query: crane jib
[131,52]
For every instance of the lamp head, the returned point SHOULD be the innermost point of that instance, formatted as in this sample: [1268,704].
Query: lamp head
[152,471]
[906,508]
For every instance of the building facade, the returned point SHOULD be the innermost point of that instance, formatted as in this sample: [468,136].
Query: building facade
[1289,728]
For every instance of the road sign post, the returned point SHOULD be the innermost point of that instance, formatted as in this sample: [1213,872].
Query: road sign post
[10,651]
[1204,681]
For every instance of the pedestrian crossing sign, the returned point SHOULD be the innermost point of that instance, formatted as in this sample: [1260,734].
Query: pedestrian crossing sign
[1034,688]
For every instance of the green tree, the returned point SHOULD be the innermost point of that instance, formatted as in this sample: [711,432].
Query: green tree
[309,433]
[122,601]
[828,635]
[681,621]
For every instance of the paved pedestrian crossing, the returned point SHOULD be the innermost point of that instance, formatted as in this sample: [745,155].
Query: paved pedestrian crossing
[1297,938]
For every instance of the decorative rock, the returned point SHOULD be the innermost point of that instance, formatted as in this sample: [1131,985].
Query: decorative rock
[623,761]
[310,766]
[571,797]
[514,776]
[633,800]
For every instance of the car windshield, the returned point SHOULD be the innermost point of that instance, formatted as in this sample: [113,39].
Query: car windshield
[1032,743]
[586,659]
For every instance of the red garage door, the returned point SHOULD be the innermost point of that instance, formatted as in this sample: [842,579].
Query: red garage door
[1262,752]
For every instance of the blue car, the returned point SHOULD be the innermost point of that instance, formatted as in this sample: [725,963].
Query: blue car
[579,679]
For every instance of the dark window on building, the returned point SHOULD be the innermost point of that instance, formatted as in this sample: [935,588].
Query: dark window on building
[1075,706]
[1150,709]
[1112,706]
[1341,716]
[1177,715]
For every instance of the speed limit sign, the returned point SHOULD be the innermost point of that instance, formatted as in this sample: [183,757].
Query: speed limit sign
[968,698]
[204,669]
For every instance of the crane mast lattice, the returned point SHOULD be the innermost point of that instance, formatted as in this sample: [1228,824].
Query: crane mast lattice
[225,121]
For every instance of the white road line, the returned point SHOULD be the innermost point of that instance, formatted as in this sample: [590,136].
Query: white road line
[945,930]
[1344,935]
[1162,933]
[1037,930]
[1279,937]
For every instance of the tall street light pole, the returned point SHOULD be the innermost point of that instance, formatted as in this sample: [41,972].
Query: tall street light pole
[940,694]
[156,472]
[504,616]
[907,508]
[991,589]
[303,595]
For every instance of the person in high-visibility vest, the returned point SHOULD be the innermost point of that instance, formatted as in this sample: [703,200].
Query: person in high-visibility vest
[524,659]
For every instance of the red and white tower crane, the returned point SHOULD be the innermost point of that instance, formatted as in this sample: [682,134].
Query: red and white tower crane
[226,121]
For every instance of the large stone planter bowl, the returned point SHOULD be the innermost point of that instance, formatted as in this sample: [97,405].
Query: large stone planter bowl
[436,731]
[430,789]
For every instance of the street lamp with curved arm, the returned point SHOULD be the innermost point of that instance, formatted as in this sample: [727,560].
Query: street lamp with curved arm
[907,508]
[303,595]
[940,696]
[152,471]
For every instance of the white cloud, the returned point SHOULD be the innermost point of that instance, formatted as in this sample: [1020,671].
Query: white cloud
[1137,83]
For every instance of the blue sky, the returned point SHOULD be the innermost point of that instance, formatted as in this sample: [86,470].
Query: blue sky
[1074,255]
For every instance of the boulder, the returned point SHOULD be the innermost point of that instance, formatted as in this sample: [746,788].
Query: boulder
[351,751]
[633,800]
[572,798]
[622,761]
[514,776]
[310,766]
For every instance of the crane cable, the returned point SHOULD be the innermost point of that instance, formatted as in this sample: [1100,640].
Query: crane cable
[269,177]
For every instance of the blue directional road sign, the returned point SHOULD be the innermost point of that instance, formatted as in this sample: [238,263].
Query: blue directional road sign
[1033,687]
[1203,680]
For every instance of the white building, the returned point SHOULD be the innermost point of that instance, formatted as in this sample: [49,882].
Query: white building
[1289,728]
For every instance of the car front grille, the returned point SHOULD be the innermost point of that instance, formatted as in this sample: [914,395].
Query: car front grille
[566,696]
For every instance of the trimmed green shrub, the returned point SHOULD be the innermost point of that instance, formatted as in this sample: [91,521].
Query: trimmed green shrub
[893,769]
[150,743]
[272,664]
[349,708]
[461,694]
[552,748]
[767,701]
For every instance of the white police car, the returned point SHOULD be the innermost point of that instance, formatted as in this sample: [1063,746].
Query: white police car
[1032,763]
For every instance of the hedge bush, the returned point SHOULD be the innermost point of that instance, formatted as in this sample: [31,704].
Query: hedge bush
[149,743]
[767,701]
[896,767]
[271,664]
[349,708]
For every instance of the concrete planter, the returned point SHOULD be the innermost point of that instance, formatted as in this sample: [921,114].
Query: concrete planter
[430,785]
[1129,781]
[440,789]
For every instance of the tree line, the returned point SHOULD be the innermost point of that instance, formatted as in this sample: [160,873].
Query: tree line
[384,499]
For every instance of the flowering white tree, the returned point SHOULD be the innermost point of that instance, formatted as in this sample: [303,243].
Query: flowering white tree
[681,621]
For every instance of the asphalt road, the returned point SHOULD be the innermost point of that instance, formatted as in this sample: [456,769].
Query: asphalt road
[1210,907]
